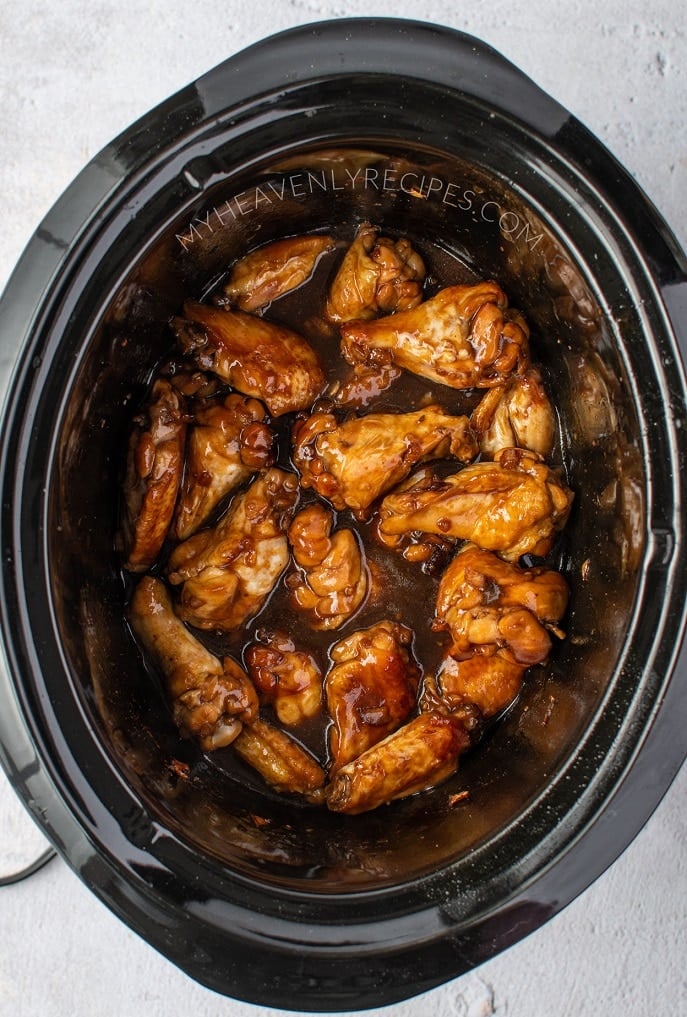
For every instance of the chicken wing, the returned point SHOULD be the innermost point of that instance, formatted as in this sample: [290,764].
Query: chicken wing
[228,571]
[418,756]
[363,384]
[491,682]
[288,678]
[273,270]
[489,604]
[153,475]
[370,689]
[354,463]
[229,440]
[464,337]
[517,414]
[259,358]
[210,700]
[377,276]
[331,583]
[514,505]
[281,761]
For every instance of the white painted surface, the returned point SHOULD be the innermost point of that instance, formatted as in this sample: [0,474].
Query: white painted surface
[72,75]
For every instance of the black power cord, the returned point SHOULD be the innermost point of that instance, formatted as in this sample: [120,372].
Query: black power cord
[29,870]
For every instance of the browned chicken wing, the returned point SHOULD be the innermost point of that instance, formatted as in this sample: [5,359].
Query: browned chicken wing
[370,689]
[228,571]
[420,755]
[464,337]
[353,463]
[281,761]
[490,682]
[210,700]
[377,276]
[331,582]
[288,678]
[153,474]
[229,440]
[517,414]
[259,358]
[488,604]
[273,270]
[514,505]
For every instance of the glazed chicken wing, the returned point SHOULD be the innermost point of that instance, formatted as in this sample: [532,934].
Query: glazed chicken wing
[273,270]
[281,761]
[417,756]
[153,475]
[229,440]
[331,582]
[514,505]
[370,689]
[517,414]
[255,356]
[377,276]
[288,678]
[353,463]
[228,571]
[363,384]
[464,337]
[210,700]
[491,682]
[488,604]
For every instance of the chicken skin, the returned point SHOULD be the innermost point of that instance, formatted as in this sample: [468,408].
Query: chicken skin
[491,682]
[211,700]
[514,505]
[288,678]
[419,755]
[370,689]
[331,582]
[227,572]
[377,276]
[488,604]
[257,357]
[229,440]
[354,463]
[517,414]
[281,761]
[153,475]
[271,271]
[464,337]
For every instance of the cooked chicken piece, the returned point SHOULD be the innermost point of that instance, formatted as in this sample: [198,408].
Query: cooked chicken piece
[464,337]
[420,755]
[485,602]
[273,270]
[376,276]
[228,571]
[210,700]
[331,583]
[228,441]
[490,682]
[517,414]
[370,690]
[363,384]
[255,356]
[353,463]
[153,474]
[281,761]
[288,678]
[514,505]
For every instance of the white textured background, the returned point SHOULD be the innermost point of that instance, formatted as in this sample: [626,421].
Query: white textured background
[72,75]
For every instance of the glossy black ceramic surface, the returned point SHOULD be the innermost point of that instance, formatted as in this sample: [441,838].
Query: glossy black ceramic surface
[430,134]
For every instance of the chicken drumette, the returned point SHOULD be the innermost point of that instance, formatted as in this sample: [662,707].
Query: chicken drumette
[228,571]
[464,337]
[370,689]
[331,582]
[211,700]
[514,505]
[259,358]
[516,414]
[271,271]
[153,474]
[288,678]
[354,463]
[228,441]
[377,276]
